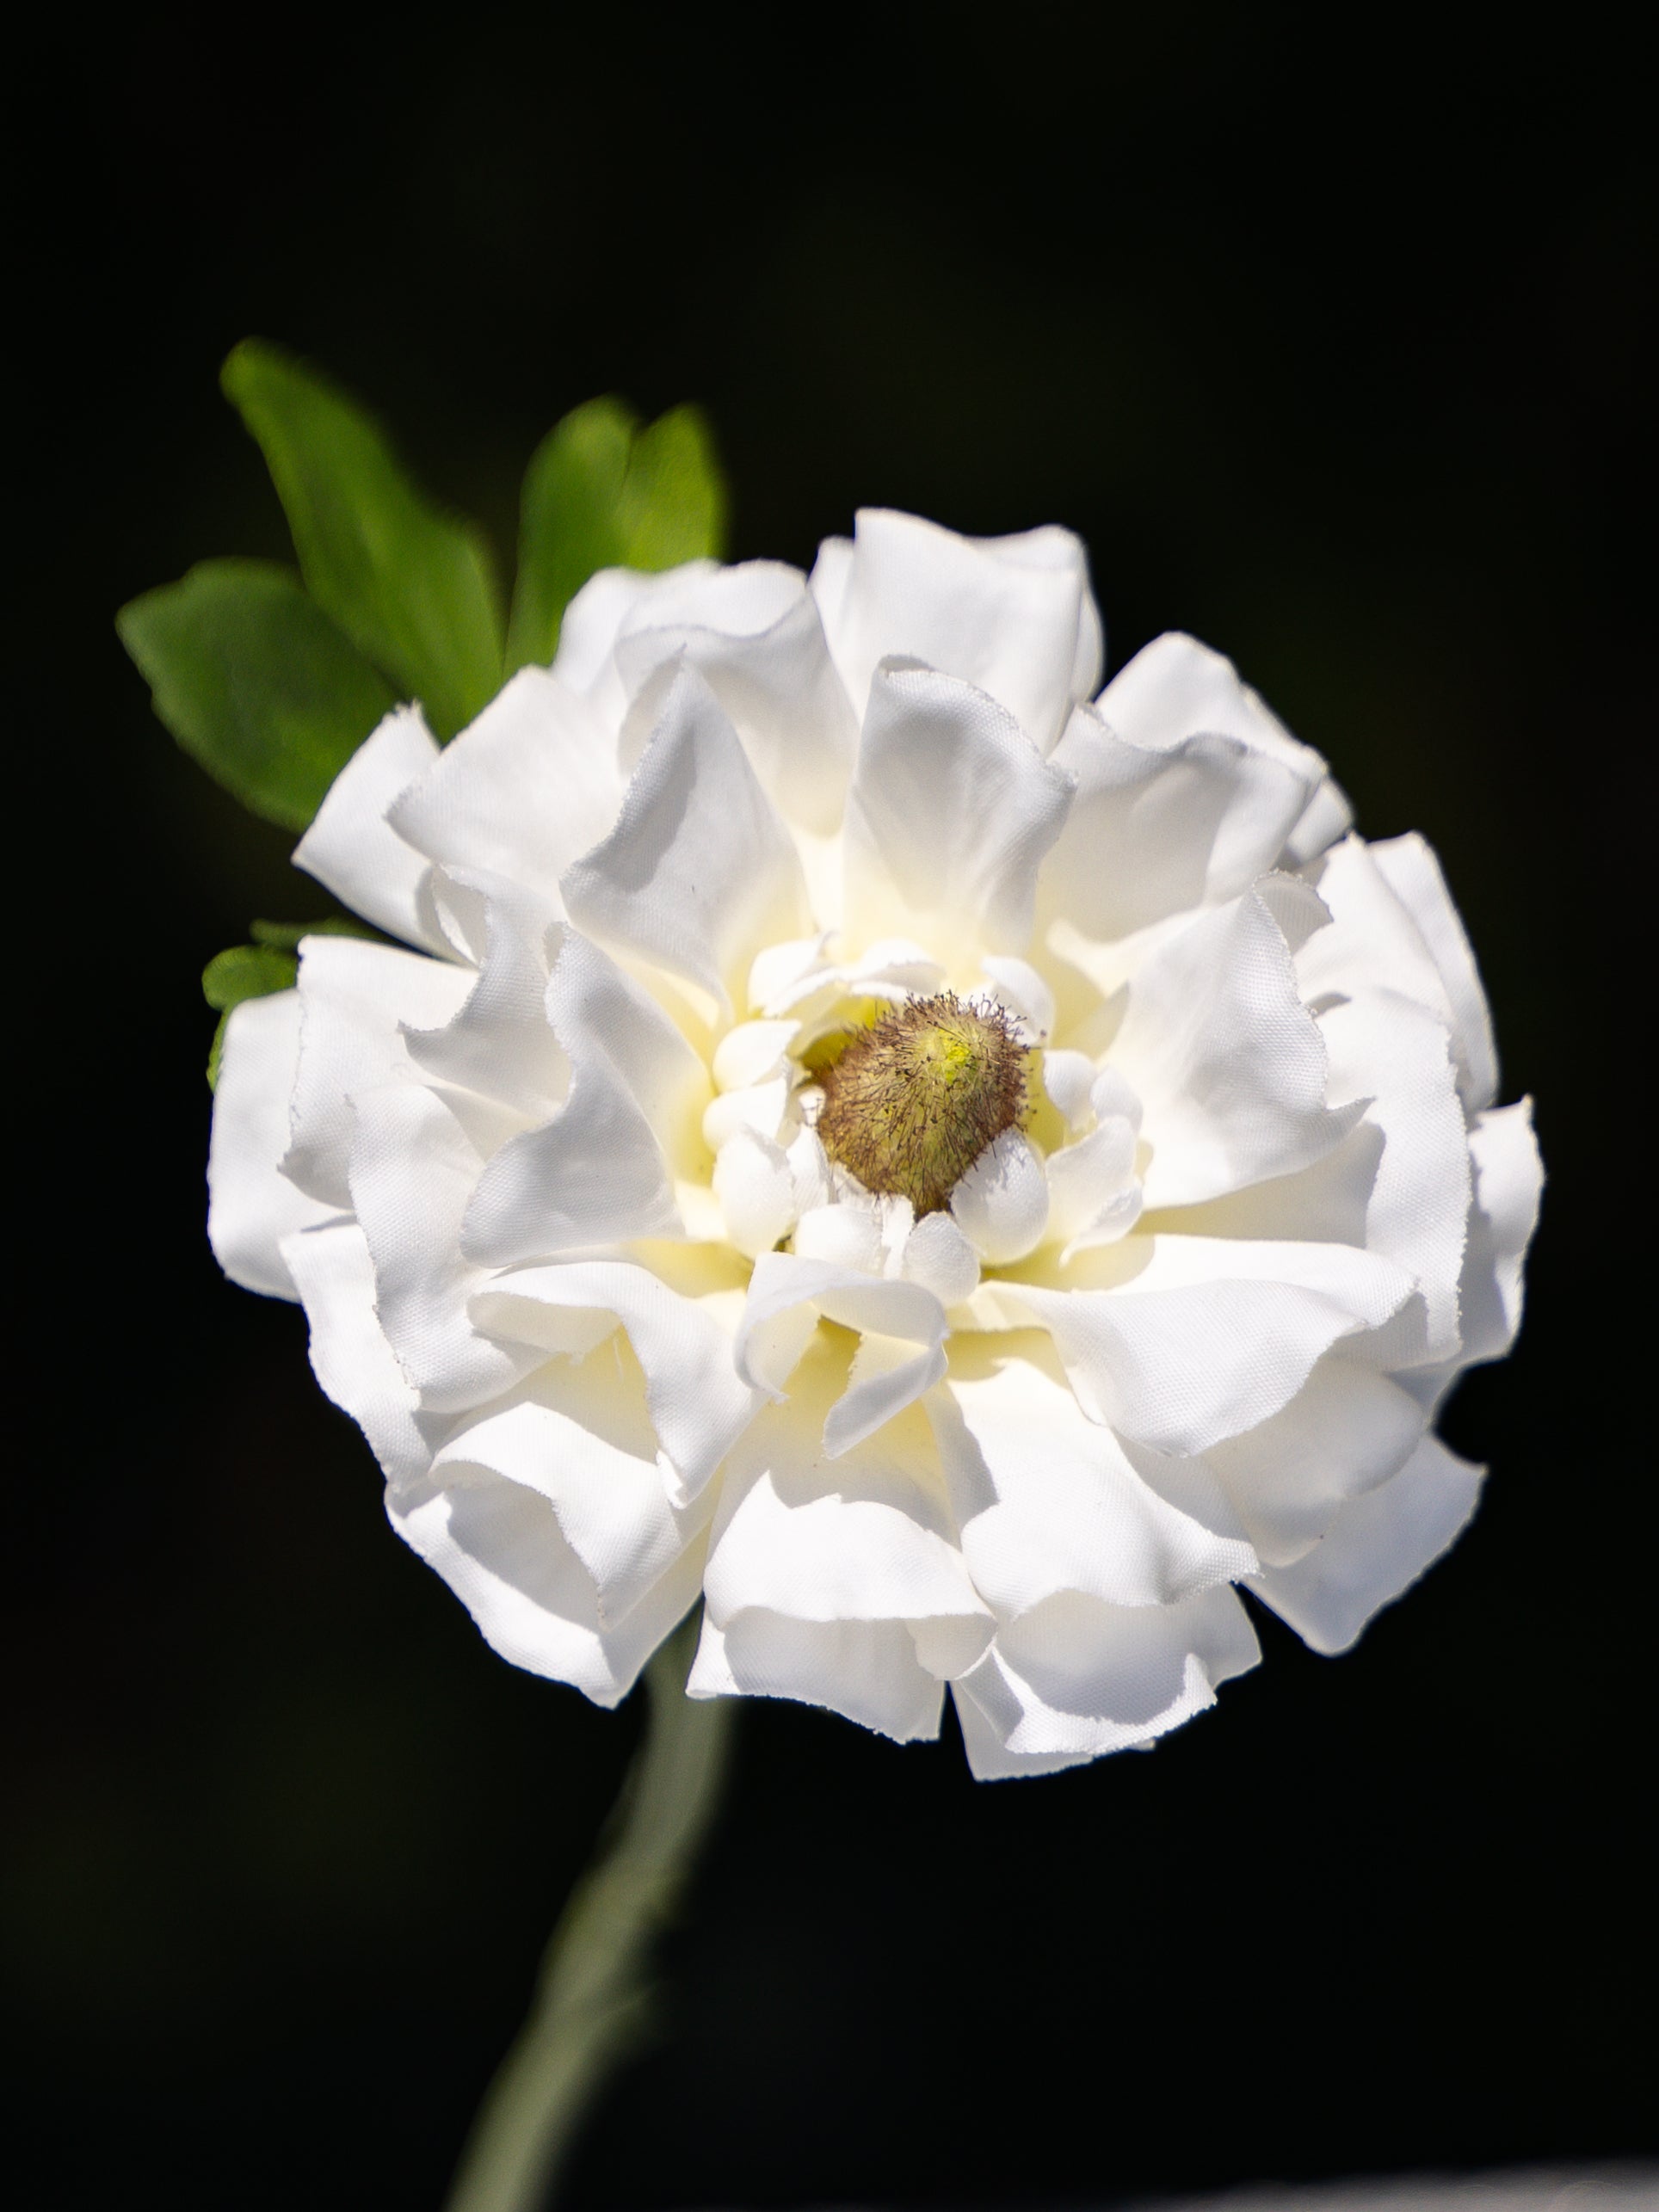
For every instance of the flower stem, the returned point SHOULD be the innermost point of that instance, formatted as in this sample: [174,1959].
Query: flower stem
[594,2001]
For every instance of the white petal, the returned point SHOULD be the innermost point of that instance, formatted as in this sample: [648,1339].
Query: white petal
[501,1043]
[1396,1053]
[1347,1430]
[756,1192]
[1228,1062]
[414,1167]
[754,633]
[783,1284]
[588,631]
[1001,1204]
[937,1255]
[1408,866]
[351,848]
[1094,1194]
[1376,1548]
[1509,1184]
[862,1550]
[357,999]
[1047,1501]
[1017,985]
[1005,613]
[349,1355]
[697,1404]
[1076,1679]
[523,791]
[1203,1337]
[751,1052]
[500,1548]
[252,1206]
[843,1236]
[698,872]
[601,1171]
[952,810]
[1176,688]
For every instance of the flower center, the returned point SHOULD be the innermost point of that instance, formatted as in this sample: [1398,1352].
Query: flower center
[913,1100]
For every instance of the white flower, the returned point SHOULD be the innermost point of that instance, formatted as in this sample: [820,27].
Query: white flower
[621,1330]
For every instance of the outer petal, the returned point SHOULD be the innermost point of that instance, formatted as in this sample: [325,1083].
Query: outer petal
[1229,1063]
[414,1165]
[501,1043]
[698,872]
[349,1355]
[1076,1679]
[952,810]
[252,1206]
[1345,1431]
[1176,688]
[1509,1184]
[351,848]
[697,1404]
[522,790]
[1211,1337]
[357,1000]
[1155,831]
[754,634]
[601,1171]
[611,600]
[1047,1501]
[1412,871]
[1376,1548]
[841,1586]
[500,1548]
[1011,615]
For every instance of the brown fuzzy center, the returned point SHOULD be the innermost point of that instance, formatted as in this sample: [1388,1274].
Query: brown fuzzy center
[913,1100]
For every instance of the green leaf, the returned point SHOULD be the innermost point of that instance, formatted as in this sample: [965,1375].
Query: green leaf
[246,971]
[256,682]
[410,584]
[600,492]
[286,935]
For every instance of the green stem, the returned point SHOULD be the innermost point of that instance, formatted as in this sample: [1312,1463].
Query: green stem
[594,1999]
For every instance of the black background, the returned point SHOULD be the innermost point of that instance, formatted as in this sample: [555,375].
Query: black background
[1325,339]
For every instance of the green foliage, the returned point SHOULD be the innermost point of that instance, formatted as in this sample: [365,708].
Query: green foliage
[245,971]
[256,682]
[599,492]
[286,935]
[410,584]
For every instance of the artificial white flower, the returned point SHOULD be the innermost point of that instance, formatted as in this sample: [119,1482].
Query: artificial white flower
[642,1285]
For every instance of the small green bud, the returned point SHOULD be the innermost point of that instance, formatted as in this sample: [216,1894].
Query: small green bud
[912,1101]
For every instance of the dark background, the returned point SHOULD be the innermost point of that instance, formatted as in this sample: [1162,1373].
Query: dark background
[1325,339]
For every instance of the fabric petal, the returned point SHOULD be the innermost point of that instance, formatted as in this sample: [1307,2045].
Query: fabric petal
[1509,1184]
[1229,1065]
[754,634]
[771,1338]
[349,1355]
[251,1205]
[1000,1206]
[351,848]
[1375,1548]
[1006,614]
[523,791]
[950,812]
[1412,871]
[698,872]
[1076,1678]
[697,1404]
[1203,1338]
[1047,1501]
[357,999]
[585,662]
[501,1043]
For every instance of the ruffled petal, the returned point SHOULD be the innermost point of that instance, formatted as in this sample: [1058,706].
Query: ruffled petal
[585,662]
[523,791]
[754,634]
[952,810]
[1047,1501]
[902,1324]
[1412,871]
[1000,1206]
[698,872]
[349,1355]
[1509,1184]
[501,1043]
[1076,1677]
[357,1000]
[351,848]
[697,1404]
[841,1587]
[1229,1063]
[1202,1338]
[251,1205]
[1007,615]
[1375,1548]
[601,1171]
